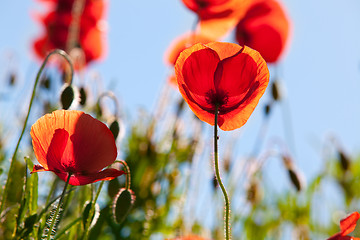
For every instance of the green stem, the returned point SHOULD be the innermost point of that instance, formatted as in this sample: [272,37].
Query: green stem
[13,158]
[91,212]
[127,172]
[217,173]
[58,208]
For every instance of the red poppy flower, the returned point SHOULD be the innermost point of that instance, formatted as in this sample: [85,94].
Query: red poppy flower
[72,142]
[347,225]
[179,45]
[223,74]
[265,28]
[58,22]
[217,17]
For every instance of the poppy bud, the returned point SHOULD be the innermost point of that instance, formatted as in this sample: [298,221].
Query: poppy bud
[267,109]
[276,90]
[12,79]
[45,82]
[344,160]
[67,96]
[215,182]
[295,179]
[83,96]
[122,204]
[86,213]
[113,187]
[254,192]
[115,128]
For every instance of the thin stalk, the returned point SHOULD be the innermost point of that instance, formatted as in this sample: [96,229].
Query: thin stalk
[127,172]
[217,173]
[13,158]
[91,212]
[58,208]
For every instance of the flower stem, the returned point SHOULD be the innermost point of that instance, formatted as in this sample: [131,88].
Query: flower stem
[217,173]
[127,172]
[53,220]
[13,158]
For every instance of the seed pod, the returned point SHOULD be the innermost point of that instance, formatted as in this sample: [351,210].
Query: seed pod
[122,204]
[83,96]
[86,213]
[276,90]
[67,97]
[115,128]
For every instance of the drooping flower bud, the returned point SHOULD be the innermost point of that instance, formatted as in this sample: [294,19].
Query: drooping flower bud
[83,96]
[122,204]
[115,128]
[67,96]
[276,90]
[344,160]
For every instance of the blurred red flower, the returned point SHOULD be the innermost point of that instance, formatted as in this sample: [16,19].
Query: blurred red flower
[72,142]
[217,17]
[224,74]
[58,25]
[265,28]
[347,225]
[179,45]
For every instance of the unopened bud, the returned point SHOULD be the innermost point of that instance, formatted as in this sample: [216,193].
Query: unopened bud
[115,128]
[67,97]
[12,79]
[122,204]
[344,160]
[83,96]
[94,217]
[45,82]
[267,109]
[295,179]
[276,90]
[254,192]
[215,182]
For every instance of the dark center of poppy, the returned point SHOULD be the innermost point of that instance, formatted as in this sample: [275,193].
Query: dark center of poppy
[219,97]
[202,3]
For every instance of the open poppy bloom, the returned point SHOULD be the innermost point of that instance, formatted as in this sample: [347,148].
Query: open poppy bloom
[265,28]
[179,45]
[225,75]
[347,225]
[72,142]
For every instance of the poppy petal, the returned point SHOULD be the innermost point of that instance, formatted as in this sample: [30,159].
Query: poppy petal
[83,179]
[91,146]
[195,70]
[38,168]
[348,224]
[265,28]
[181,43]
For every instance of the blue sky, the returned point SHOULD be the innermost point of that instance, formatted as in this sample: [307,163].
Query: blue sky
[321,71]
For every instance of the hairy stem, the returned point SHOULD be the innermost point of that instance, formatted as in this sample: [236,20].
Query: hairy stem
[217,173]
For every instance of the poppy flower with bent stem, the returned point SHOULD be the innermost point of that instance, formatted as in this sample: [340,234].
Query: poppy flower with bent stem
[72,142]
[347,225]
[265,28]
[225,75]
